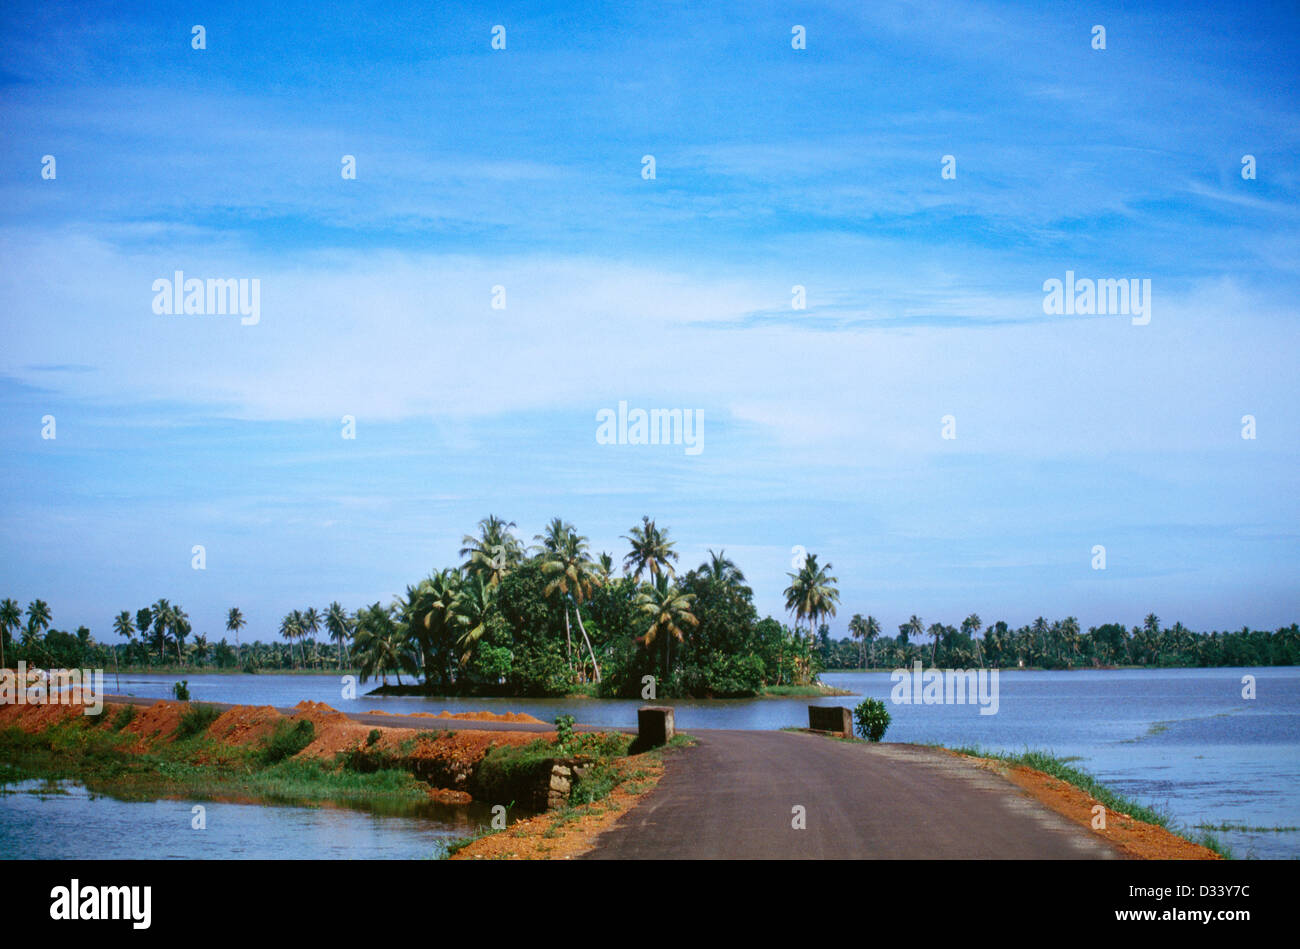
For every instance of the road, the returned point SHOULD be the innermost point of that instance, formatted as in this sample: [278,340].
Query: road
[733,796]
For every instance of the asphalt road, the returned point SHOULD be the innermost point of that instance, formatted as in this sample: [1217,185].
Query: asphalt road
[733,796]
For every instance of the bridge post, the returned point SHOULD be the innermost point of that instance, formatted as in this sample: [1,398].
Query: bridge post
[831,718]
[655,726]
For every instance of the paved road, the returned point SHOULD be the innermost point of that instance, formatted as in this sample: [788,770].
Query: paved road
[732,796]
[395,721]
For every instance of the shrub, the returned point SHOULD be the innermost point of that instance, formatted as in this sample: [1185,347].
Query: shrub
[872,719]
[563,732]
[181,690]
[124,718]
[373,737]
[287,740]
[196,720]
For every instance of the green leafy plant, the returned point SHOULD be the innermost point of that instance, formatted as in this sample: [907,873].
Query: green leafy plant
[287,740]
[872,718]
[564,732]
[181,690]
[124,718]
[196,720]
[373,737]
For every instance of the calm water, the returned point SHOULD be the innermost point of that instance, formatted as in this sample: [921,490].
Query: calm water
[1182,740]
[40,820]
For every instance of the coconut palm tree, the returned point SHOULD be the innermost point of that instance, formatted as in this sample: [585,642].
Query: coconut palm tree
[494,553]
[432,613]
[310,626]
[38,619]
[161,612]
[571,574]
[666,610]
[605,567]
[180,626]
[381,644]
[812,594]
[722,568]
[971,626]
[11,617]
[339,625]
[234,623]
[291,629]
[473,609]
[651,549]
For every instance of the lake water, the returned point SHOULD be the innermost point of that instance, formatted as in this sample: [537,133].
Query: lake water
[43,820]
[1182,740]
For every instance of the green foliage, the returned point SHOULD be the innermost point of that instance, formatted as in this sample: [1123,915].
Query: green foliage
[564,733]
[596,782]
[287,740]
[373,737]
[196,720]
[181,690]
[871,718]
[123,718]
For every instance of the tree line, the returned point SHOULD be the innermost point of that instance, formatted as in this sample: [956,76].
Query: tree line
[1060,644]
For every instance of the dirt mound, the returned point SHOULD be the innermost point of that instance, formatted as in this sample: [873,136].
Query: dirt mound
[157,724]
[35,718]
[245,724]
[516,717]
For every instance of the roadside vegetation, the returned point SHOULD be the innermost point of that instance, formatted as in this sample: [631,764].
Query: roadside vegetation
[1114,802]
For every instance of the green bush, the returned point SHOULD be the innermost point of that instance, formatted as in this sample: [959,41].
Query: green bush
[196,720]
[564,732]
[287,740]
[124,718]
[872,719]
[373,737]
[181,690]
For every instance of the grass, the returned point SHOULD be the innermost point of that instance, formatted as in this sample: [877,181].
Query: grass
[1113,801]
[202,769]
[196,720]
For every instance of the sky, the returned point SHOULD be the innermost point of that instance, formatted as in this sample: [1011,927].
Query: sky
[774,167]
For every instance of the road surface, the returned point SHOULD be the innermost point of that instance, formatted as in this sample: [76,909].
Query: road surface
[734,796]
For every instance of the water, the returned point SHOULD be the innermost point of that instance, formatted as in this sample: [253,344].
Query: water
[1182,740]
[61,819]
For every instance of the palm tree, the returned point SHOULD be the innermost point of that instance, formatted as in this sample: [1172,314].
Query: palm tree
[811,594]
[433,618]
[339,625]
[11,617]
[494,553]
[605,567]
[667,609]
[651,549]
[162,619]
[38,619]
[472,612]
[291,628]
[381,644]
[936,630]
[723,569]
[865,631]
[971,626]
[310,626]
[571,574]
[180,624]
[234,623]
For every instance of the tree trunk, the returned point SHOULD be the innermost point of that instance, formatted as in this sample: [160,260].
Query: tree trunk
[568,641]
[577,610]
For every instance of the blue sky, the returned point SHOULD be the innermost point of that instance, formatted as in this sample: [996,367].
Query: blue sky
[775,167]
